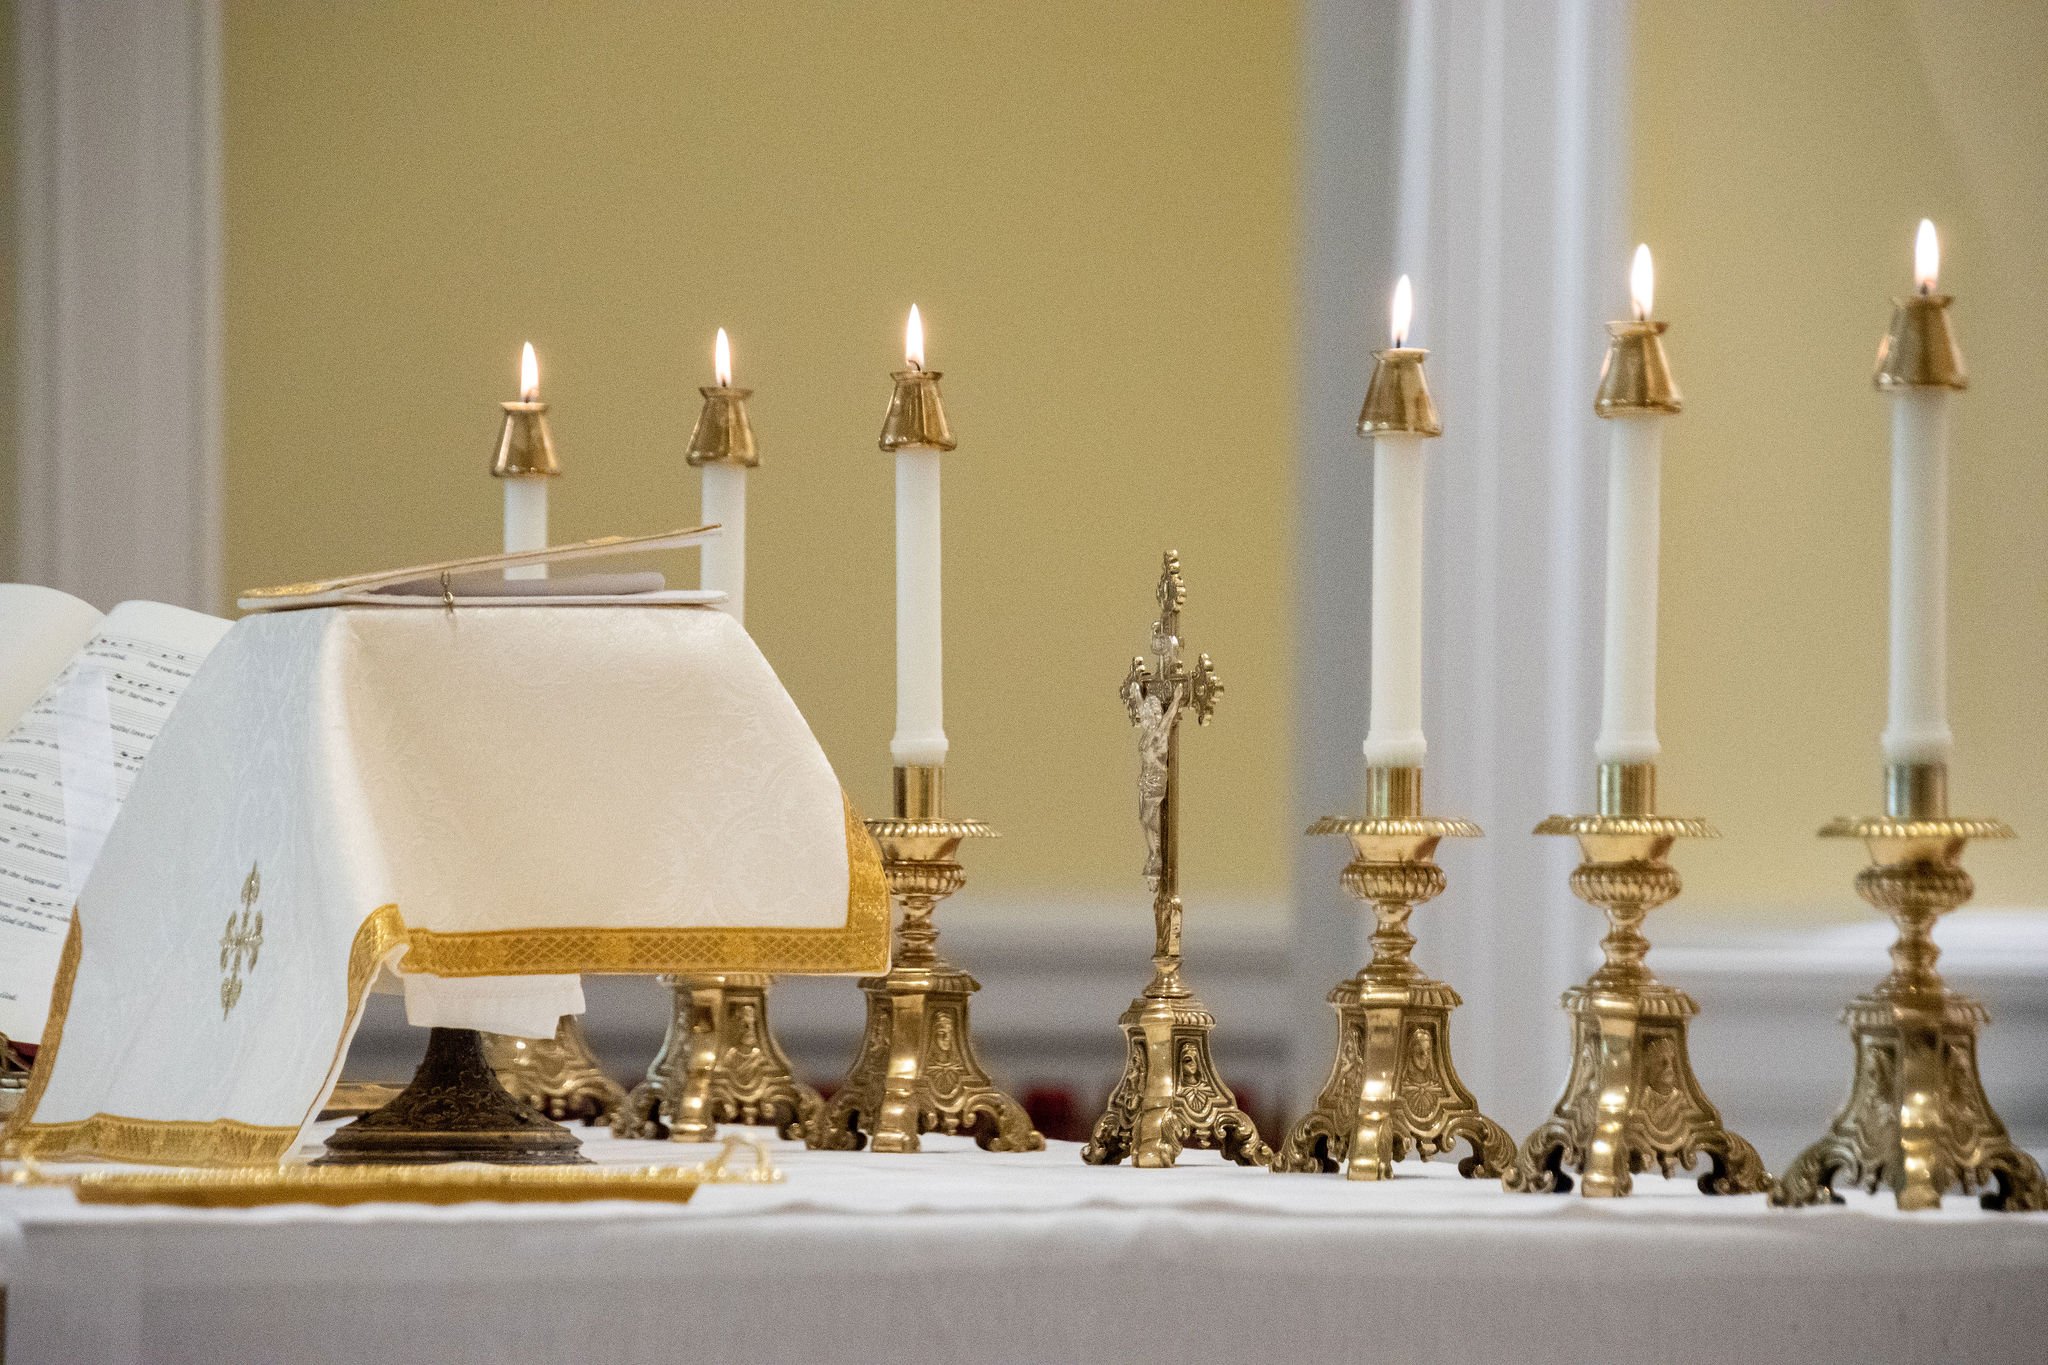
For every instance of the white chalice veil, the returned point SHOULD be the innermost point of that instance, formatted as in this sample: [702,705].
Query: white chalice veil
[483,793]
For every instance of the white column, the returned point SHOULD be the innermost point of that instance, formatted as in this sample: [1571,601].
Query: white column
[1482,147]
[118,227]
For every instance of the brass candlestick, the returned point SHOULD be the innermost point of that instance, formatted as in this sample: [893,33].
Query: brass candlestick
[559,1076]
[720,1063]
[916,1071]
[1631,1099]
[1170,1095]
[1392,1087]
[1917,1118]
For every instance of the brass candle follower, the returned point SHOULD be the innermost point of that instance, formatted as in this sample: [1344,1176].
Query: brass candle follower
[1631,1099]
[1170,1095]
[1917,1119]
[917,1071]
[1393,1088]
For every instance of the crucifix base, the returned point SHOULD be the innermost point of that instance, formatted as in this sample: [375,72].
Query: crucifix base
[720,1063]
[916,1071]
[454,1110]
[559,1076]
[1171,1096]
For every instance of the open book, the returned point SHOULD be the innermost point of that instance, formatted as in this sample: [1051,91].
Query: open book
[82,698]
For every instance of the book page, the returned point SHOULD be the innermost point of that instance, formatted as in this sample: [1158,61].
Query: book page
[40,629]
[65,767]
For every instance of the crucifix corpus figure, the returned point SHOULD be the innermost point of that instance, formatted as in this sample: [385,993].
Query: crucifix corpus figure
[1155,694]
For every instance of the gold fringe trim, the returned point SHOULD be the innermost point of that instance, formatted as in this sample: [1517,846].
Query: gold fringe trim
[860,945]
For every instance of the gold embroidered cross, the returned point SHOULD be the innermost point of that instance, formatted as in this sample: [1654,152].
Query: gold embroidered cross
[241,942]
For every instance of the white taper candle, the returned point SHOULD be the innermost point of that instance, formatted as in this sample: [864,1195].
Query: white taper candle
[1916,724]
[920,694]
[1628,702]
[526,499]
[725,554]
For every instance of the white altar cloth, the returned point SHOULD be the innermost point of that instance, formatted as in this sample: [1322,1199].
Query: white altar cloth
[963,1256]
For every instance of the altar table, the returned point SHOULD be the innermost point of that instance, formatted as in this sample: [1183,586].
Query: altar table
[958,1255]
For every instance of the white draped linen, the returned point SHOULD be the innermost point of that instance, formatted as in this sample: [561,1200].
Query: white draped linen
[474,796]
[953,1255]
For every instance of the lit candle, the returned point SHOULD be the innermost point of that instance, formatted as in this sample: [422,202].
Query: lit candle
[1921,368]
[525,462]
[1637,394]
[915,430]
[1394,737]
[722,445]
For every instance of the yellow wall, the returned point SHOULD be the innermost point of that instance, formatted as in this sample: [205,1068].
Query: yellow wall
[1783,154]
[1094,206]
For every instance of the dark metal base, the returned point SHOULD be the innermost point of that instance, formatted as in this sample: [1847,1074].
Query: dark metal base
[454,1110]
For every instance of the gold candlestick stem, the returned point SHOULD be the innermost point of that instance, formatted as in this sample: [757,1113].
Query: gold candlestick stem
[1393,1088]
[1917,1119]
[917,1071]
[1170,1095]
[1631,1099]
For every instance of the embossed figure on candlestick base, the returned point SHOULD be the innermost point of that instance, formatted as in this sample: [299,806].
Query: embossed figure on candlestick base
[917,1071]
[1392,1088]
[720,1063]
[1917,1120]
[1631,1100]
[559,1076]
[1170,1095]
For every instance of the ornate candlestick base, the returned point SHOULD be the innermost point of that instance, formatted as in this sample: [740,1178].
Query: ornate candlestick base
[1631,1099]
[1917,1119]
[559,1076]
[720,1063]
[1170,1095]
[14,1075]
[916,1071]
[1392,1087]
[454,1110]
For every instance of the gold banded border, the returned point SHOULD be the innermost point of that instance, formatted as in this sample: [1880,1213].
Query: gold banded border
[860,945]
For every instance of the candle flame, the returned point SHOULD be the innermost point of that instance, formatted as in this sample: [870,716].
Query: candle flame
[529,374]
[1642,283]
[721,360]
[1926,257]
[1403,311]
[913,340]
